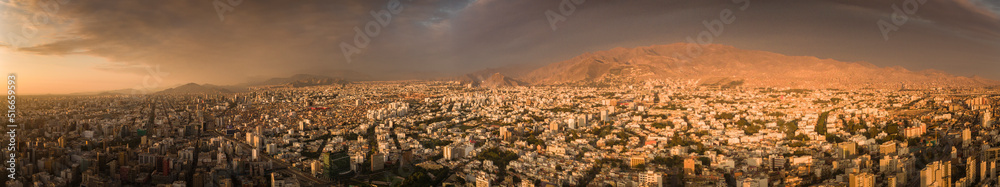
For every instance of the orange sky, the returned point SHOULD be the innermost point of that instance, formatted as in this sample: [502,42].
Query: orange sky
[39,74]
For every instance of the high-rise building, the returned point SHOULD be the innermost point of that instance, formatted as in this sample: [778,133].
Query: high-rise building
[689,166]
[982,170]
[970,169]
[966,137]
[888,148]
[637,160]
[652,179]
[863,179]
[378,161]
[505,133]
[357,157]
[454,151]
[198,179]
[324,158]
[316,167]
[892,181]
[987,118]
[482,180]
[848,148]
[937,173]
[406,158]
[993,169]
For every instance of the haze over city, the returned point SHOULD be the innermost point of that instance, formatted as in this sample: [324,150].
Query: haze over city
[481,93]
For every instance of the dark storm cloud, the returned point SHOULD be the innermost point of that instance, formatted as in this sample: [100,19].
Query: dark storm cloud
[257,38]
[978,16]
[441,37]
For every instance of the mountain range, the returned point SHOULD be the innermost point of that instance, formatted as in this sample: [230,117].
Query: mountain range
[299,80]
[715,65]
[727,65]
[295,81]
[192,88]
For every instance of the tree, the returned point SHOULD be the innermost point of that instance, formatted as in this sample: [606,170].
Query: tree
[660,125]
[725,115]
[705,161]
[833,138]
[672,161]
[801,137]
[499,157]
[892,129]
[791,127]
[913,141]
[821,123]
[640,167]
[418,179]
[872,132]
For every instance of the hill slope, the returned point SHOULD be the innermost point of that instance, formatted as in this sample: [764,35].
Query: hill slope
[498,80]
[192,88]
[719,64]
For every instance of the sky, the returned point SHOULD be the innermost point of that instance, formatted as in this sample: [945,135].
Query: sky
[73,46]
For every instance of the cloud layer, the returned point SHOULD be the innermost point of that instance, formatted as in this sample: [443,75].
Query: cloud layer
[443,37]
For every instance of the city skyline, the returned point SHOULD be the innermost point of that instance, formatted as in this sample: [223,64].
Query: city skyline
[481,93]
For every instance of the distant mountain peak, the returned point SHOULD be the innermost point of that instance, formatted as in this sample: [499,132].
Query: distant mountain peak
[498,80]
[723,62]
[194,88]
[301,80]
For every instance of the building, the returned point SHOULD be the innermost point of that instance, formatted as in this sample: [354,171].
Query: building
[482,180]
[892,181]
[378,161]
[848,148]
[689,166]
[527,183]
[970,169]
[652,179]
[357,157]
[752,182]
[937,173]
[316,167]
[887,148]
[505,133]
[454,151]
[915,131]
[966,137]
[864,179]
[987,118]
[637,160]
